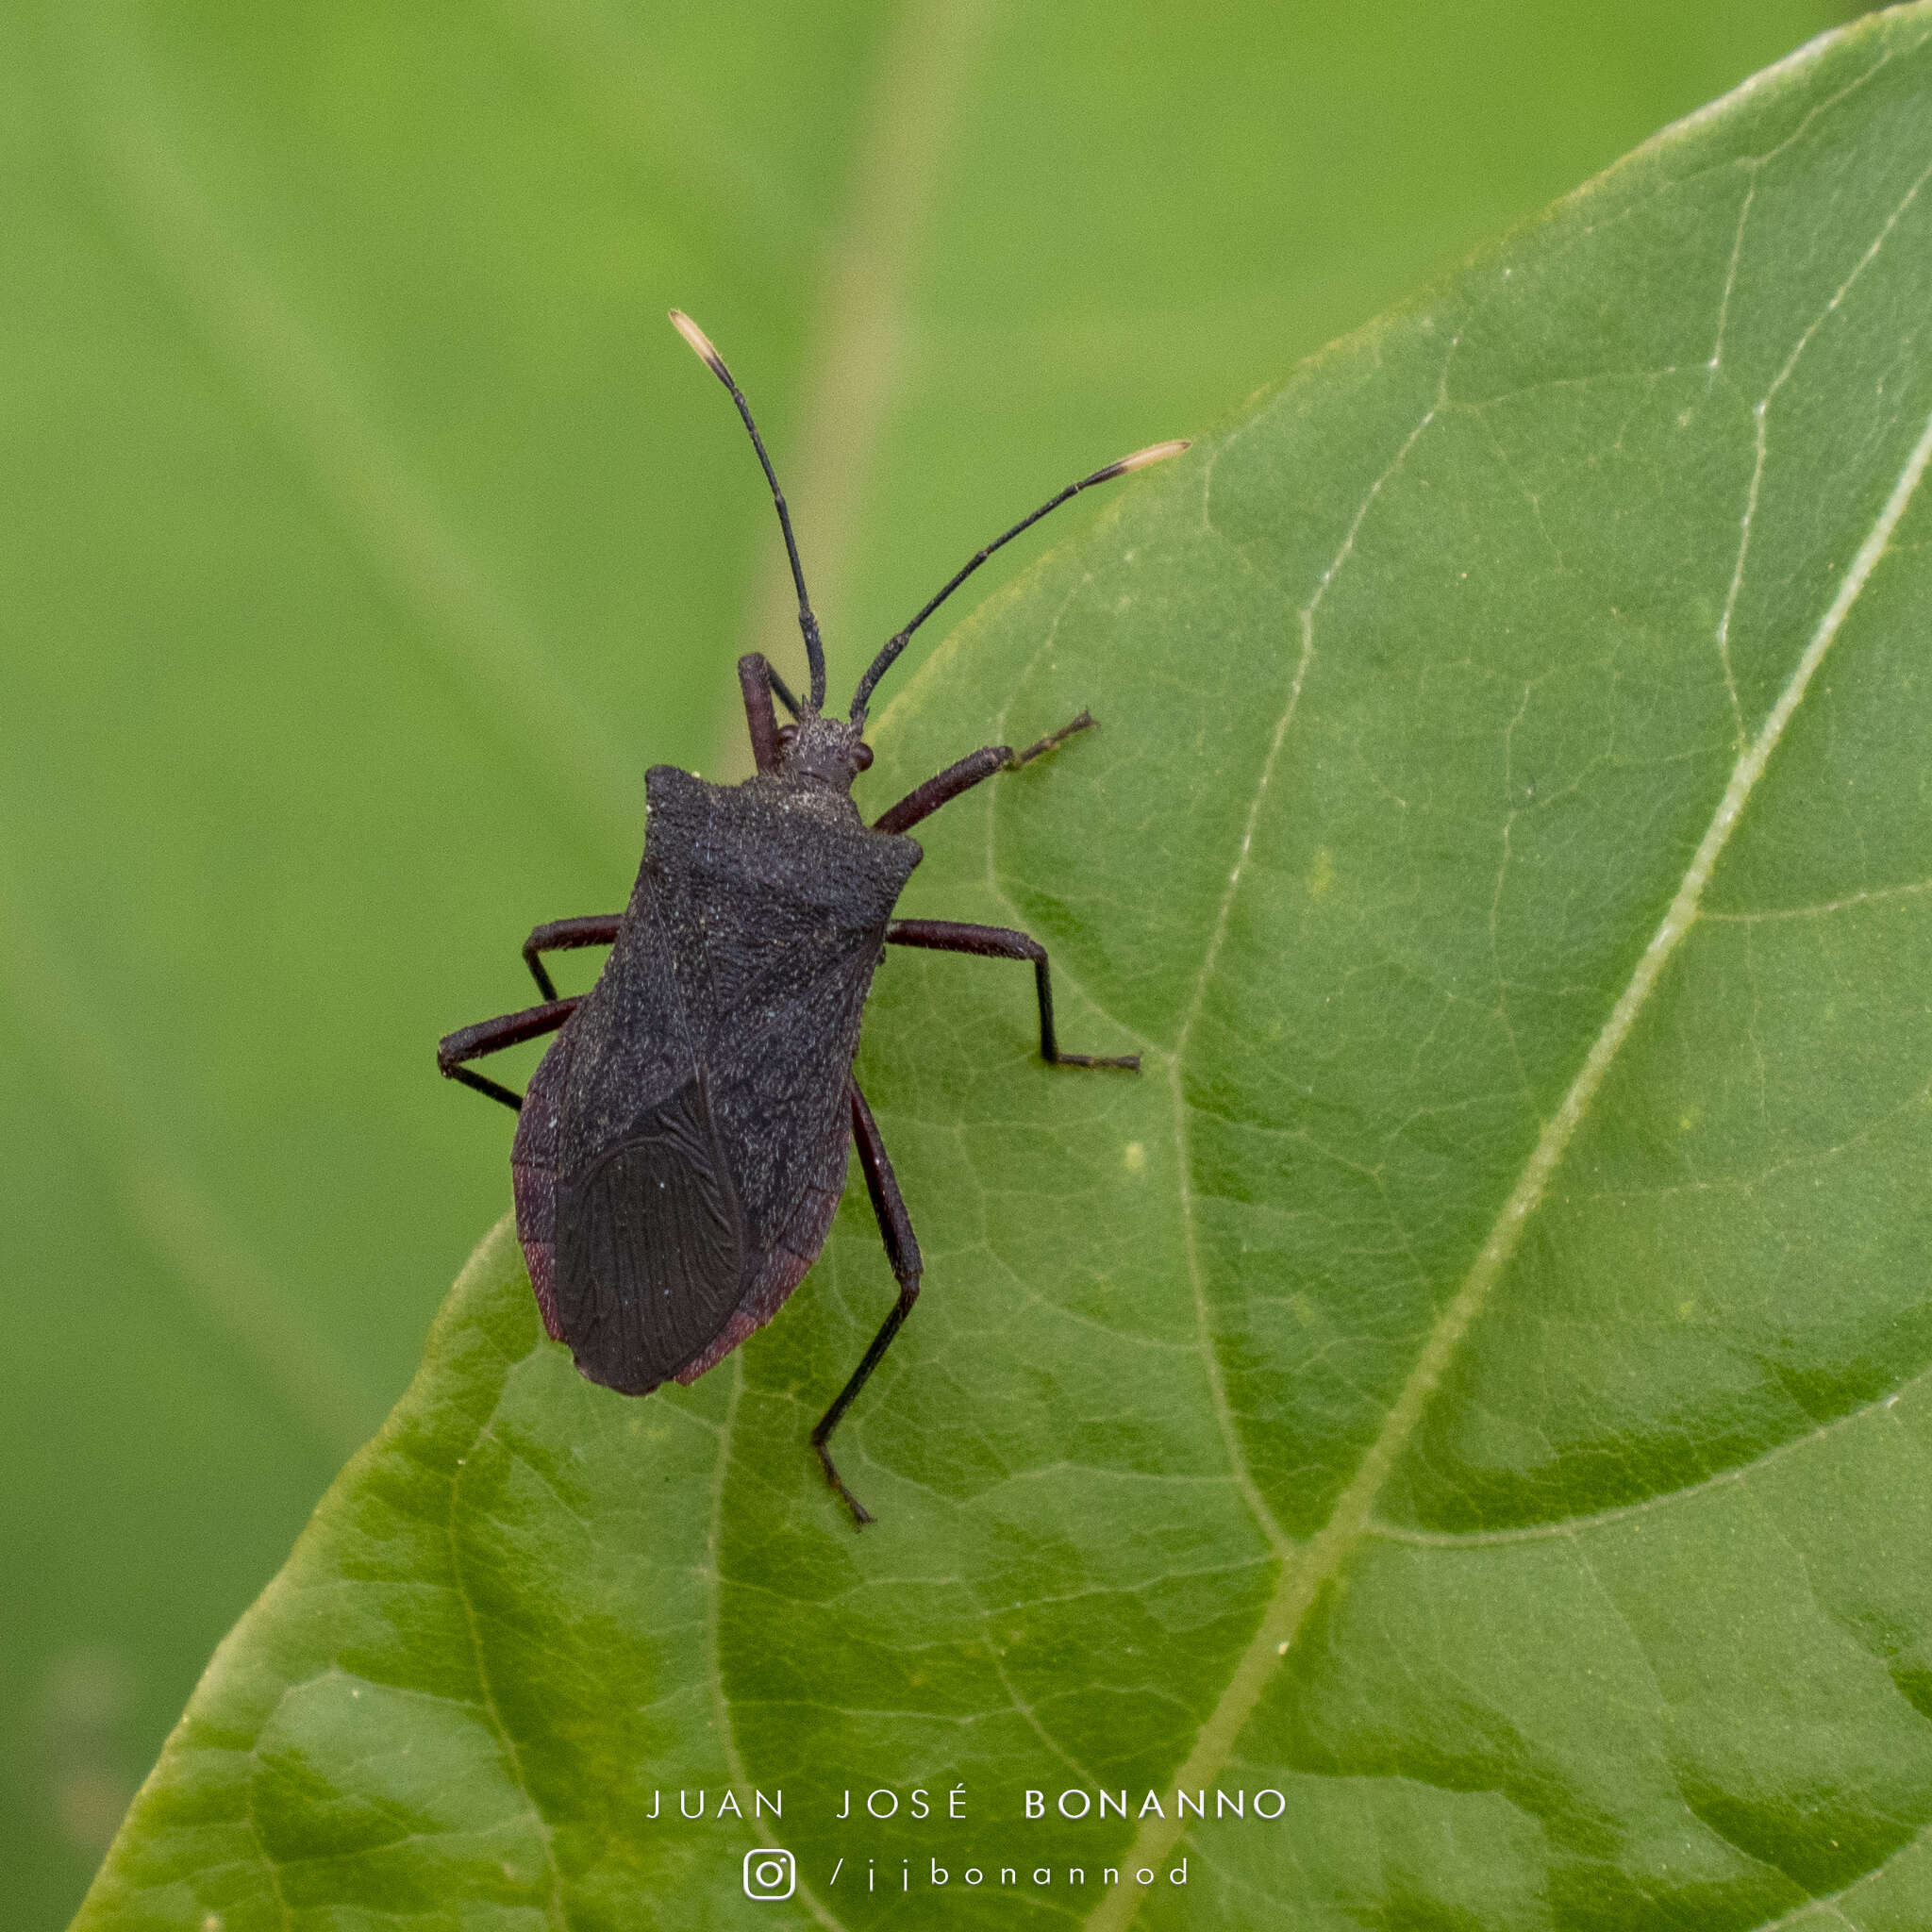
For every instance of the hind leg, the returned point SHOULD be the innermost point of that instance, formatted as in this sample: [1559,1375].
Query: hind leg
[902,1251]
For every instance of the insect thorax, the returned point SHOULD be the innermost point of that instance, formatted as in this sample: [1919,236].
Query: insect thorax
[774,857]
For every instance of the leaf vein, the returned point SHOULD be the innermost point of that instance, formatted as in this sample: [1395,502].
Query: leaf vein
[1832,1903]
[1663,1499]
[1265,1518]
[1911,889]
[493,1713]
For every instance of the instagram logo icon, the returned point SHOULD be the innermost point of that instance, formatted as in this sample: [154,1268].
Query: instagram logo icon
[769,1873]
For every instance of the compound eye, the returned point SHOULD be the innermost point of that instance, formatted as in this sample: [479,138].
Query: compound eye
[861,756]
[788,734]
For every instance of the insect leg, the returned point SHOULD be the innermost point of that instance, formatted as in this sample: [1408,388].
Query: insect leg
[491,1036]
[561,934]
[902,1251]
[1002,943]
[927,798]
[760,684]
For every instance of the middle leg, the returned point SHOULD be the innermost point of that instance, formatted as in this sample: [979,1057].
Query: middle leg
[492,1036]
[902,1251]
[599,929]
[1002,943]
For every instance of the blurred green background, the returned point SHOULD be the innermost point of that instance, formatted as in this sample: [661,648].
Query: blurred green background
[367,532]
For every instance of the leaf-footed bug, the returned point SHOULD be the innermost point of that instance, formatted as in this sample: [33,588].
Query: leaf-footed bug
[681,1148]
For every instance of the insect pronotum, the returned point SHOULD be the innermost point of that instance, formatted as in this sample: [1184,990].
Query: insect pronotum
[681,1149]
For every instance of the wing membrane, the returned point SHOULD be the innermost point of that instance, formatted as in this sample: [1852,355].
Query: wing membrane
[651,1246]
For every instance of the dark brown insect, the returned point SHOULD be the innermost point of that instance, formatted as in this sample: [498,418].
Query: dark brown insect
[681,1150]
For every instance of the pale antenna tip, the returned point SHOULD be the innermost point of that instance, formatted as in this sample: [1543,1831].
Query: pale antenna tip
[1154,452]
[697,339]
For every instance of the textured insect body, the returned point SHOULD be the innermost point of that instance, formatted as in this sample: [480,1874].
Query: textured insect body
[682,1147]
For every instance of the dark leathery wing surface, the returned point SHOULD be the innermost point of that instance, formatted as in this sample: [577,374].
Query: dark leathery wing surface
[750,944]
[650,1249]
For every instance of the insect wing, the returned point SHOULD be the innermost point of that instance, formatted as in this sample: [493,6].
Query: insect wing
[651,1246]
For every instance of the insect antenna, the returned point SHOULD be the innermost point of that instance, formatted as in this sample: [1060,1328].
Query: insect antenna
[1140,460]
[808,623]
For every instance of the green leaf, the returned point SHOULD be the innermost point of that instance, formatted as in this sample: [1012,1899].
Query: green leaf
[1471,1385]
[367,532]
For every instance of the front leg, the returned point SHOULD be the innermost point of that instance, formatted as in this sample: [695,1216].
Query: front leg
[902,1251]
[1002,943]
[760,683]
[923,800]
